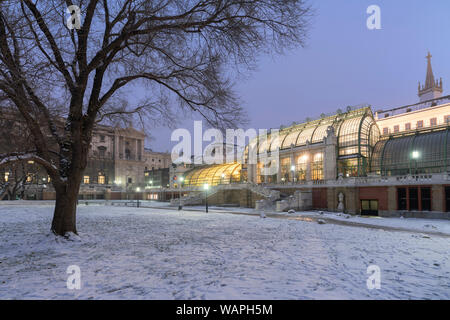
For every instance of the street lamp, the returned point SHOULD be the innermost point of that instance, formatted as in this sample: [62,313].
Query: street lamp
[206,187]
[415,155]
[179,189]
[293,173]
[137,196]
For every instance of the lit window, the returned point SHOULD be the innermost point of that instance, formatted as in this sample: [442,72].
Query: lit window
[317,167]
[408,126]
[31,162]
[6,176]
[396,129]
[101,179]
[86,180]
[29,177]
[147,174]
[420,124]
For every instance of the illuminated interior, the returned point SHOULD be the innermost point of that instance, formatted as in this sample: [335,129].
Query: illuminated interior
[214,175]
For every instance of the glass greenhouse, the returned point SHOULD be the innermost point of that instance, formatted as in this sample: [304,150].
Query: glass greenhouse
[356,132]
[412,154]
[214,175]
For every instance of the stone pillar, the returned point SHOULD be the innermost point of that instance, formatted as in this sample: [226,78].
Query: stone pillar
[437,198]
[292,174]
[392,199]
[330,161]
[329,157]
[279,170]
[308,176]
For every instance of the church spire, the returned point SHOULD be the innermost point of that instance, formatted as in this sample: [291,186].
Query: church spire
[429,82]
[432,88]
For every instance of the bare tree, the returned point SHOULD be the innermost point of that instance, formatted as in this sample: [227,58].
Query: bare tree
[132,58]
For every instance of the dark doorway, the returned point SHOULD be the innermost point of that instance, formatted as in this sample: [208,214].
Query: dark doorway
[402,200]
[447,199]
[369,207]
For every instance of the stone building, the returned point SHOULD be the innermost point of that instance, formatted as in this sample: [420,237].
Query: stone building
[117,162]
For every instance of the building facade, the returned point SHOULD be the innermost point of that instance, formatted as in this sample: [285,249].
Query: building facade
[118,162]
[393,162]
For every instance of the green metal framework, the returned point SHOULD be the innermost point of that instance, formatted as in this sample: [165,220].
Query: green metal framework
[416,153]
[214,175]
[356,131]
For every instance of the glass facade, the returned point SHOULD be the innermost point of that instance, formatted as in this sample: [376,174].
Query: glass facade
[357,134]
[214,175]
[412,154]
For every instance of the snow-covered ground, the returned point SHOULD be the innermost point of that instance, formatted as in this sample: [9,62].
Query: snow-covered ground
[129,253]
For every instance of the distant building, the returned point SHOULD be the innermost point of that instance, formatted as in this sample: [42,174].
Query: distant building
[156,160]
[117,161]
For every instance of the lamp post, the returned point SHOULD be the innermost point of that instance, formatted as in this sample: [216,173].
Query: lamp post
[137,196]
[415,155]
[179,189]
[206,187]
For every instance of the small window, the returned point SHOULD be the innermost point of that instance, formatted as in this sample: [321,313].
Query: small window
[102,138]
[386,115]
[408,126]
[420,124]
[101,180]
[433,121]
[396,129]
[385,131]
[86,180]
[447,119]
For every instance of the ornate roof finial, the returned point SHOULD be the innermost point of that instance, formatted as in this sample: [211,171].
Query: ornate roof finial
[432,88]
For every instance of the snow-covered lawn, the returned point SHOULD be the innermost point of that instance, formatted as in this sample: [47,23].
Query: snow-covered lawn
[129,253]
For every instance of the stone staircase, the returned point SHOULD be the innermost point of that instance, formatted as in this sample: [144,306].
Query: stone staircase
[196,198]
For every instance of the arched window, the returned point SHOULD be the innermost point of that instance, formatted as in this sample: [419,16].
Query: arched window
[317,167]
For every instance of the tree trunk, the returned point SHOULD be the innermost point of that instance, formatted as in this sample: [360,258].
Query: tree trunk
[64,217]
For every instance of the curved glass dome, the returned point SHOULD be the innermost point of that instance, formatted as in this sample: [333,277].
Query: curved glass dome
[356,132]
[427,152]
[214,175]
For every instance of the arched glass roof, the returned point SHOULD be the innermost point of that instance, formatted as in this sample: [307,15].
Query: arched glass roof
[427,152]
[214,175]
[356,130]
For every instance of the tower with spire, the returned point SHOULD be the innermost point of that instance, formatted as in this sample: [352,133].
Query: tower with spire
[432,88]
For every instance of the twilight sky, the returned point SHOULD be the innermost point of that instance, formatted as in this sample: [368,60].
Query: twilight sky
[344,63]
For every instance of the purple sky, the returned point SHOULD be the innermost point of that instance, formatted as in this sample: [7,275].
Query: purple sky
[345,63]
